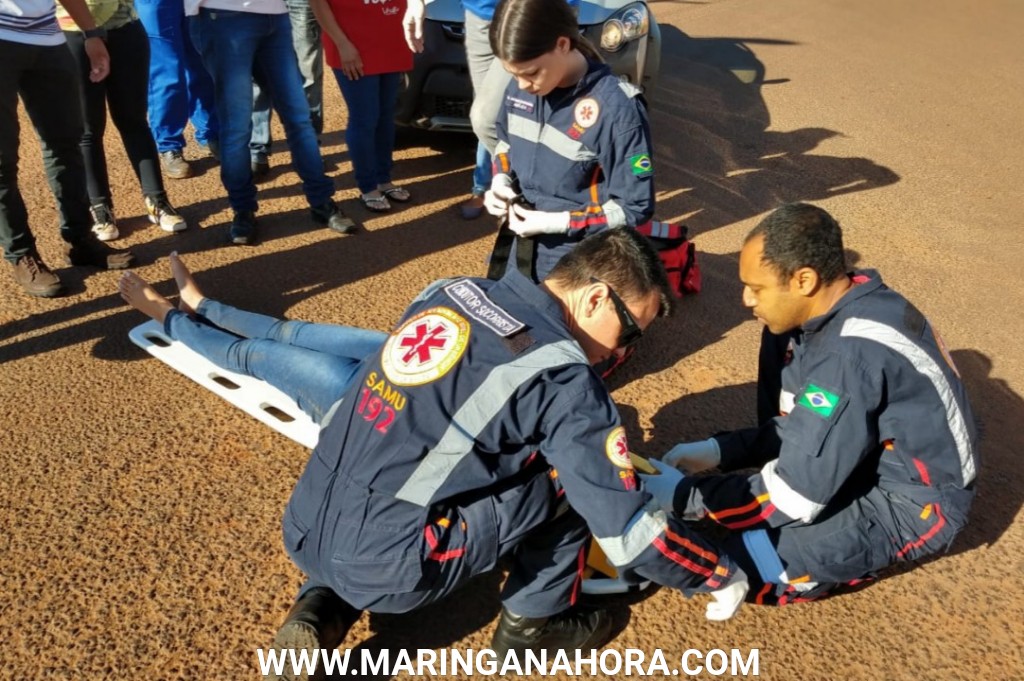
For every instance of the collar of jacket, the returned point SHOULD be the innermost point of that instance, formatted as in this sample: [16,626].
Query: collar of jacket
[595,72]
[873,283]
[532,294]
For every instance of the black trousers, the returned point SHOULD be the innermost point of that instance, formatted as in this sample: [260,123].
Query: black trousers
[125,91]
[44,78]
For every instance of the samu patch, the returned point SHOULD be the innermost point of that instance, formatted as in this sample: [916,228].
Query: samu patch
[641,165]
[819,400]
[425,347]
[617,449]
[586,112]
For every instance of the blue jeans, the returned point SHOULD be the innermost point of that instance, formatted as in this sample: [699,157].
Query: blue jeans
[236,48]
[370,135]
[310,53]
[179,87]
[311,363]
[483,172]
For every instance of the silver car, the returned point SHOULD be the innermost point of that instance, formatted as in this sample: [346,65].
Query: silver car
[438,92]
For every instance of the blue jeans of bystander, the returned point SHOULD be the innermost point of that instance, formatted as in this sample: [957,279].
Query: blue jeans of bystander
[237,47]
[370,134]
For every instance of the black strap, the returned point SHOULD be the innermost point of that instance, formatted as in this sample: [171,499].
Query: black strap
[691,259]
[525,248]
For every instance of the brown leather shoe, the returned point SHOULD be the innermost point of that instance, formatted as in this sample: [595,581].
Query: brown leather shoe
[318,620]
[35,278]
[91,252]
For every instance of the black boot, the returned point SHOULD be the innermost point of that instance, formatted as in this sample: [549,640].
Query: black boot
[320,619]
[569,630]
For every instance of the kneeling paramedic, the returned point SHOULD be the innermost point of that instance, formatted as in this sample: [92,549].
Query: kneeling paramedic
[871,459]
[481,430]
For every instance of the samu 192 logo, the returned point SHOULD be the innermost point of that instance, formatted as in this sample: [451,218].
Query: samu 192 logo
[425,347]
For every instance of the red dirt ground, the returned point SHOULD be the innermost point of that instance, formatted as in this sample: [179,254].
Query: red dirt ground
[141,514]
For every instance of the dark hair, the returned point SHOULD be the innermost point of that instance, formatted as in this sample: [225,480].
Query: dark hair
[801,235]
[526,29]
[622,258]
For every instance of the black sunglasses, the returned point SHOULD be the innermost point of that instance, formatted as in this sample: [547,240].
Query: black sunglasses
[631,331]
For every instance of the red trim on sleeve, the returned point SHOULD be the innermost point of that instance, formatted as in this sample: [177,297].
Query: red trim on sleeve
[675,557]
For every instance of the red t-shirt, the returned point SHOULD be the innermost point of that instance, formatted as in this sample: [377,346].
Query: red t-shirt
[375,28]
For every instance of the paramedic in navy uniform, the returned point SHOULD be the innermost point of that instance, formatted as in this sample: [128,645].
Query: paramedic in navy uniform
[872,457]
[573,139]
[480,429]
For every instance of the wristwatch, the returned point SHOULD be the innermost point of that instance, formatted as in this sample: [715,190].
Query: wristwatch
[98,32]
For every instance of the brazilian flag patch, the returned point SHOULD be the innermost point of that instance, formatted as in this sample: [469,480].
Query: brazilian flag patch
[819,400]
[641,165]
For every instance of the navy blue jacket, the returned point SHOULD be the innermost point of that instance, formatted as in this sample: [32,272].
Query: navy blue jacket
[479,380]
[870,399]
[584,149]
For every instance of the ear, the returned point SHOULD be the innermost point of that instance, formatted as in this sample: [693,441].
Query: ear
[595,296]
[805,281]
[563,45]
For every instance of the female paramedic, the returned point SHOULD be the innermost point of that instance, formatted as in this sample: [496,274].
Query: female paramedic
[574,145]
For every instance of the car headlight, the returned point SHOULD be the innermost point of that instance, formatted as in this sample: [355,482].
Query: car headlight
[629,23]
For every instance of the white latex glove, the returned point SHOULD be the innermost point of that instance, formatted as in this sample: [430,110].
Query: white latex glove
[662,486]
[497,197]
[412,24]
[694,457]
[727,600]
[526,222]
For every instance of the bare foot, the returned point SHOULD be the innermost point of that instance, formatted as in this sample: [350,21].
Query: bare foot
[191,296]
[143,297]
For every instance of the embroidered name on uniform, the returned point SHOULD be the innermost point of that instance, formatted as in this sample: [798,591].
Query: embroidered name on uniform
[819,400]
[477,305]
[641,165]
[520,104]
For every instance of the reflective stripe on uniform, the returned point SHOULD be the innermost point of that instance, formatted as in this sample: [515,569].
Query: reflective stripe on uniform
[549,137]
[630,89]
[490,397]
[919,359]
[643,528]
[431,289]
[785,498]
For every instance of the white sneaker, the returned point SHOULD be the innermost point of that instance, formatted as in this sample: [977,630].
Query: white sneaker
[103,225]
[162,213]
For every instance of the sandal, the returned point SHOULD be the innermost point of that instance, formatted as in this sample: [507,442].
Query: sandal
[397,194]
[378,204]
